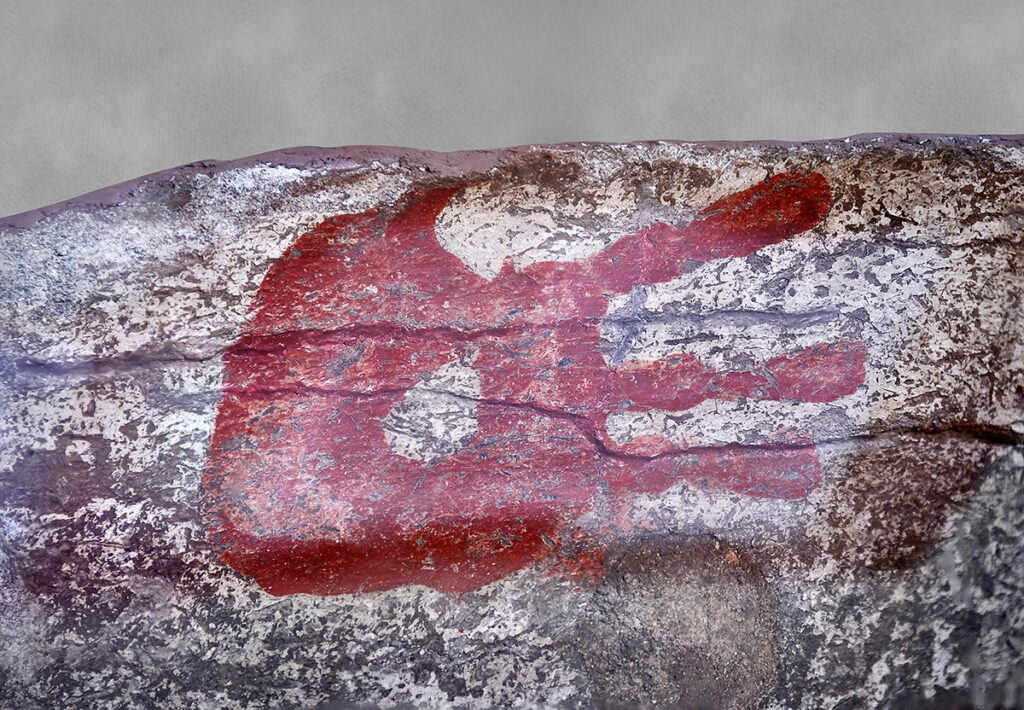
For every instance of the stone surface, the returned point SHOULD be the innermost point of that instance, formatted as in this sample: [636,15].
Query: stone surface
[680,623]
[657,424]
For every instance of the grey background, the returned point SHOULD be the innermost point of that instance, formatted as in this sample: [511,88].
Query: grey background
[94,93]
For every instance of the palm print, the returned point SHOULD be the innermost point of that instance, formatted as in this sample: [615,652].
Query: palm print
[391,417]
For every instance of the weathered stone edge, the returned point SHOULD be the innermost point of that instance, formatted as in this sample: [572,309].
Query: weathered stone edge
[455,162]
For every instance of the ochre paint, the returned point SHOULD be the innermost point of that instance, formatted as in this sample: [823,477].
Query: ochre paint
[307,493]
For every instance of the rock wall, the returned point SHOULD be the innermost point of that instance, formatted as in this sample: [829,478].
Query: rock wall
[656,424]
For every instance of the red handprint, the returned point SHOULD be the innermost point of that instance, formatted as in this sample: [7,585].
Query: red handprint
[313,493]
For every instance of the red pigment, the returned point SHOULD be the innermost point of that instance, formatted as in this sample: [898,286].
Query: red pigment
[308,494]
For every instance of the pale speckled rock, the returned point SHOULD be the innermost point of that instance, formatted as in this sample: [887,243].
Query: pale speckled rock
[895,580]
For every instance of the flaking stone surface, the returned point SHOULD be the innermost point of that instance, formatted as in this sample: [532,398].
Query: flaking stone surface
[659,424]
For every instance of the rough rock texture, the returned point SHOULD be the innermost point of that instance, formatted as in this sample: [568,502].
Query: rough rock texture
[658,424]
